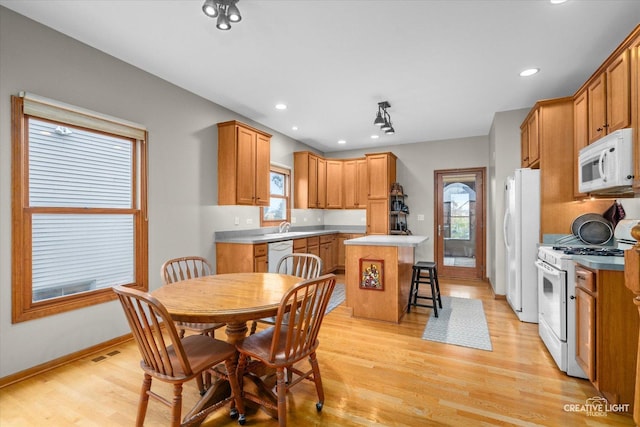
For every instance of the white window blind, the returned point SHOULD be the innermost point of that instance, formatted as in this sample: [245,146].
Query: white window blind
[75,167]
[71,167]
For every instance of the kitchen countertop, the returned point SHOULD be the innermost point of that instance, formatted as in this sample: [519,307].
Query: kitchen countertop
[387,240]
[601,262]
[276,237]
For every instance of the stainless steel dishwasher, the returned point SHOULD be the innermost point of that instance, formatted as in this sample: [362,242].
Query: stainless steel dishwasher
[276,251]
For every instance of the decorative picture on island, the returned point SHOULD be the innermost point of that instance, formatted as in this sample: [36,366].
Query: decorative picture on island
[371,274]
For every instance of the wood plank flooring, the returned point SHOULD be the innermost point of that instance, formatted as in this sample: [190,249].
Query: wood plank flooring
[373,373]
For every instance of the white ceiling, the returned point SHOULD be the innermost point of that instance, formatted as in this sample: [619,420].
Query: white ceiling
[445,66]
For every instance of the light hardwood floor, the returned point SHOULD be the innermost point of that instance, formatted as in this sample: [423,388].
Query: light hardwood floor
[373,373]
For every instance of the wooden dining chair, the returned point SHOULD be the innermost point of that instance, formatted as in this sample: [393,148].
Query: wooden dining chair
[306,266]
[290,340]
[169,358]
[184,268]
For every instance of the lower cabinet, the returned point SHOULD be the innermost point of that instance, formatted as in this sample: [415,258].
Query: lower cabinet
[607,333]
[586,322]
[241,258]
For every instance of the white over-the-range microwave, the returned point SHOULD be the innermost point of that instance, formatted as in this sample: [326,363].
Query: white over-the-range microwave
[606,166]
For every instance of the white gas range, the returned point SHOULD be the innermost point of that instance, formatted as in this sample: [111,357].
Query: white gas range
[556,294]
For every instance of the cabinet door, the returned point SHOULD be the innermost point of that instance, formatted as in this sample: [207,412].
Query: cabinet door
[635,109]
[378,216]
[246,174]
[377,170]
[349,183]
[524,146]
[334,184]
[262,170]
[586,333]
[580,133]
[618,94]
[322,183]
[597,108]
[313,182]
[361,184]
[534,137]
[260,265]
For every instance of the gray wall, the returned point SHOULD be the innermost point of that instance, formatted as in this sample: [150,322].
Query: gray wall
[504,158]
[182,159]
[183,207]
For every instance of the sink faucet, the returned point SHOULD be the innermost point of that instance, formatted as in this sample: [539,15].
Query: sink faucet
[284,227]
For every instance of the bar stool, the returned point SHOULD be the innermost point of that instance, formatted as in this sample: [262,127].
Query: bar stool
[425,272]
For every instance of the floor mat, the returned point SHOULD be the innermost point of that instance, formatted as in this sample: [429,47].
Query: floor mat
[460,321]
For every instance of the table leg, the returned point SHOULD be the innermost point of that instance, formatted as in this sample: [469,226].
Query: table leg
[236,332]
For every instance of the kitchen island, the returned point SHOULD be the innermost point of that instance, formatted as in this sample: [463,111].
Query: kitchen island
[378,275]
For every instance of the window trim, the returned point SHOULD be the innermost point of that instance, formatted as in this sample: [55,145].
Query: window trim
[23,308]
[287,197]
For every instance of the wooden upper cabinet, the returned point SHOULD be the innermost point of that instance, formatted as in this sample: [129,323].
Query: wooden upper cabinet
[355,184]
[322,183]
[378,216]
[618,93]
[580,133]
[635,108]
[609,98]
[310,180]
[334,184]
[530,140]
[381,170]
[243,165]
[596,94]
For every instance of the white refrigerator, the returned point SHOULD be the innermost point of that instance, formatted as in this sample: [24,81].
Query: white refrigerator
[521,238]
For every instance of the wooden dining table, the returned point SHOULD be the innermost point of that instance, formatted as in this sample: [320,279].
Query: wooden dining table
[234,299]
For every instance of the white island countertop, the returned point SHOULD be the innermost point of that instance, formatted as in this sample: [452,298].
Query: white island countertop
[387,240]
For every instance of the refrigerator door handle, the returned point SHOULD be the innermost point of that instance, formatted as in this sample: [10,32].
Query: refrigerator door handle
[505,224]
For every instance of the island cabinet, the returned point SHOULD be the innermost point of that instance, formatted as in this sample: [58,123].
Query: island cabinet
[607,327]
[241,258]
[378,275]
[334,184]
[355,183]
[310,181]
[243,165]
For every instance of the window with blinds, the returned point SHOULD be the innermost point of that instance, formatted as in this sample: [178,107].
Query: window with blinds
[79,208]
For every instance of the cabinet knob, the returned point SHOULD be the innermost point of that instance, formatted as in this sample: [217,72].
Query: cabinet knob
[599,129]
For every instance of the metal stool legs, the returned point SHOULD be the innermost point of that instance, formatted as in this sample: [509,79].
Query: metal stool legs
[425,272]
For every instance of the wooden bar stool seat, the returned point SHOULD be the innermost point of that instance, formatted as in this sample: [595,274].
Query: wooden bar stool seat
[425,272]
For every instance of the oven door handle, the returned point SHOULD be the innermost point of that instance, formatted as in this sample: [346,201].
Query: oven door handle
[547,269]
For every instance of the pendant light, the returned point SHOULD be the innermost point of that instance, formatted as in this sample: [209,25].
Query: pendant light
[225,10]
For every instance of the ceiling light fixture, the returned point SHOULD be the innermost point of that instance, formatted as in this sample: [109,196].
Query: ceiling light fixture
[383,119]
[225,10]
[529,72]
[281,106]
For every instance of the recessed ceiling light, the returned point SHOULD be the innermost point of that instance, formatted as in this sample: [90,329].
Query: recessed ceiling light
[375,136]
[342,141]
[294,127]
[529,72]
[557,1]
[281,106]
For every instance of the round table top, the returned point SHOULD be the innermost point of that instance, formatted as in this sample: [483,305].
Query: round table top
[225,298]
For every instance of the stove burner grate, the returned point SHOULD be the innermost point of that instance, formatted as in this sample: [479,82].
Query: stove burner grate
[589,251]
